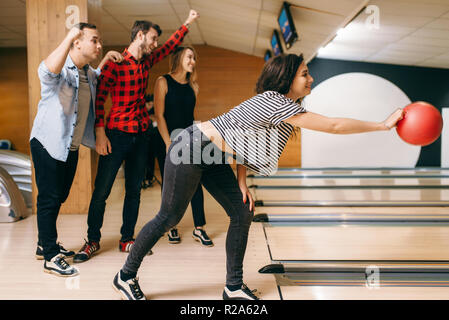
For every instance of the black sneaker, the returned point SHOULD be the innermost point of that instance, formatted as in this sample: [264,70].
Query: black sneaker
[87,251]
[129,290]
[40,252]
[241,294]
[148,183]
[201,236]
[173,236]
[58,266]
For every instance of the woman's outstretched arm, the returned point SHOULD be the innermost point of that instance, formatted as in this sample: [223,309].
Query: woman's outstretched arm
[317,122]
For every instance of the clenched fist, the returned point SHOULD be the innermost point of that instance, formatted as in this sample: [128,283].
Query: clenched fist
[193,15]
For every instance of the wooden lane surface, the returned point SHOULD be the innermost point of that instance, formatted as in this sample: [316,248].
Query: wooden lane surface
[364,293]
[382,195]
[358,242]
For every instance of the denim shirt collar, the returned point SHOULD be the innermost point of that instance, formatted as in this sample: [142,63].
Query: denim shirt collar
[71,65]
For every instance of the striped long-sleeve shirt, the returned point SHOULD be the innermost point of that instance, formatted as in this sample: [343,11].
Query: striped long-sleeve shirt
[127,82]
[256,132]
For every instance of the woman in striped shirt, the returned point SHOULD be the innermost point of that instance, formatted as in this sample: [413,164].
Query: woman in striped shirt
[254,133]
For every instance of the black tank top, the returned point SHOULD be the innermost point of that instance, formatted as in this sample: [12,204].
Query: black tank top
[179,104]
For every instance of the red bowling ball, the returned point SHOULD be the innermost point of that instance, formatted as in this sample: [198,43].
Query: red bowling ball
[421,125]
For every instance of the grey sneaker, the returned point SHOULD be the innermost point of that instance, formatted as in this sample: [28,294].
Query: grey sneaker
[129,290]
[58,266]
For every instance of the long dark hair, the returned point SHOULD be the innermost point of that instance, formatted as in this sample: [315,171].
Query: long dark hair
[278,73]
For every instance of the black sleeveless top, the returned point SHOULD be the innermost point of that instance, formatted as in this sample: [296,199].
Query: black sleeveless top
[179,104]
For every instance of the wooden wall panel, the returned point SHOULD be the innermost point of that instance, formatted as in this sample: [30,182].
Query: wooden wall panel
[14,112]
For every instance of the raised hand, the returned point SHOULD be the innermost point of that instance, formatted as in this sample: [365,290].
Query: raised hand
[74,34]
[193,15]
[114,56]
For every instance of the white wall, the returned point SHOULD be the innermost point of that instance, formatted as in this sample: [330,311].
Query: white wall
[361,96]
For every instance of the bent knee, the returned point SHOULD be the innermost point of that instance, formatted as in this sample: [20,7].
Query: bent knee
[243,215]
[166,221]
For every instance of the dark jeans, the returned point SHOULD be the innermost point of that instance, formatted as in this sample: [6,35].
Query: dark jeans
[181,181]
[131,148]
[54,179]
[156,149]
[197,202]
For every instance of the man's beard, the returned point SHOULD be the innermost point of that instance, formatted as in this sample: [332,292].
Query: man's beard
[143,47]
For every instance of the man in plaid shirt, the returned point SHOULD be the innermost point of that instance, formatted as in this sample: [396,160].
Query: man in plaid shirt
[125,137]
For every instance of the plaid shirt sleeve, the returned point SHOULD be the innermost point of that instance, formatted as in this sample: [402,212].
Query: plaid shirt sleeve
[106,82]
[169,46]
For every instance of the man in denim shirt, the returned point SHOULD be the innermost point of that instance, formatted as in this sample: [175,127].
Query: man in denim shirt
[64,120]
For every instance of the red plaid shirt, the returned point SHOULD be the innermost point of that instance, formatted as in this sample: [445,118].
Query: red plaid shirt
[127,82]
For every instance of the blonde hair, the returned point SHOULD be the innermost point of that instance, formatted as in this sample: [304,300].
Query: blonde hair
[176,61]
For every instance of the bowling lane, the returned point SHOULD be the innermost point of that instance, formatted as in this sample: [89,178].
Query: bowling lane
[354,180]
[298,214]
[378,216]
[358,171]
[418,187]
[362,170]
[363,293]
[413,196]
[312,242]
[343,176]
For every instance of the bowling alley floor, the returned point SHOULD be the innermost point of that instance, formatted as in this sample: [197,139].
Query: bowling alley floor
[186,270]
[175,271]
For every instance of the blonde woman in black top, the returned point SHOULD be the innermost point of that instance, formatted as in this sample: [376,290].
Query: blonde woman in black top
[174,102]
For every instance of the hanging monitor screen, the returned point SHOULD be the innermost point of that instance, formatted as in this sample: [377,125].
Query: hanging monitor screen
[276,43]
[287,26]
[267,55]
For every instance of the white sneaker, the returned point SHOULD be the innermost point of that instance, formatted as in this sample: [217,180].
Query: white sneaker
[129,290]
[241,294]
[58,266]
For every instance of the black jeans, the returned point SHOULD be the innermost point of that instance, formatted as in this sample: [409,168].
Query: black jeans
[181,181]
[197,202]
[131,148]
[156,149]
[54,179]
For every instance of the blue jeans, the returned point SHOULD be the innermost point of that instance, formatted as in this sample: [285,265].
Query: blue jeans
[180,183]
[132,149]
[54,179]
